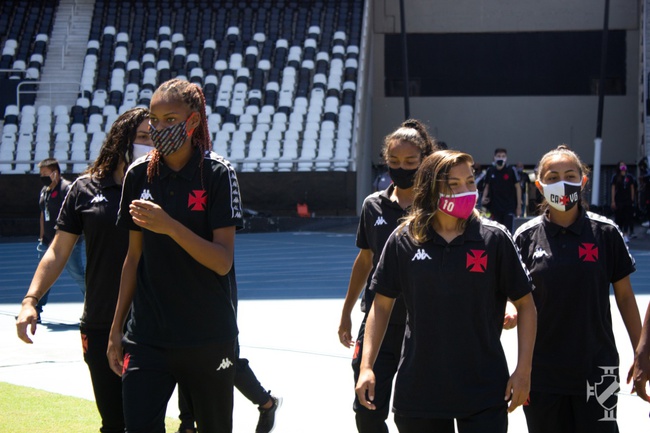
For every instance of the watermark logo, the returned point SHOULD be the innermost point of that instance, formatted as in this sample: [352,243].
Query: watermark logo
[605,392]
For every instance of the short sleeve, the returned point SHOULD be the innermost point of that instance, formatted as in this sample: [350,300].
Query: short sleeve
[386,280]
[516,174]
[624,263]
[362,237]
[69,219]
[513,278]
[225,201]
[124,219]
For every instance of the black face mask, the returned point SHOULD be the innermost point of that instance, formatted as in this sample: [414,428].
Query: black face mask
[47,180]
[403,179]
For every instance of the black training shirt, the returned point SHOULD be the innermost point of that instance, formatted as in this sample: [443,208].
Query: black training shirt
[572,269]
[49,202]
[178,301]
[379,217]
[90,208]
[502,192]
[452,363]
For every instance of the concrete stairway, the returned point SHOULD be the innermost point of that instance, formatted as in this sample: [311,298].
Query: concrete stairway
[63,65]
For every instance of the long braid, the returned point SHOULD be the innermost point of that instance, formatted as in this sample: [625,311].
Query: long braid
[192,96]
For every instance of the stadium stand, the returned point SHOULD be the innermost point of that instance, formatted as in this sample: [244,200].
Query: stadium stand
[25,27]
[279,76]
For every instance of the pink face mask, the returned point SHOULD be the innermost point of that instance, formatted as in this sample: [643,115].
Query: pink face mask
[458,205]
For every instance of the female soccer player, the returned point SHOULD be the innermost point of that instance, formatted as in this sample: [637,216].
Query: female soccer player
[181,207]
[573,257]
[404,149]
[455,272]
[90,208]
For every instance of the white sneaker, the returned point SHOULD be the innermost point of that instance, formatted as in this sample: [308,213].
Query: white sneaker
[646,224]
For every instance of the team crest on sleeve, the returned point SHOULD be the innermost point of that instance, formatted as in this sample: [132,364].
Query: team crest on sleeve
[588,252]
[477,261]
[146,195]
[197,200]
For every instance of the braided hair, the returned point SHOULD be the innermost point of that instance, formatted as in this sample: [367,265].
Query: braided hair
[191,95]
[414,132]
[118,145]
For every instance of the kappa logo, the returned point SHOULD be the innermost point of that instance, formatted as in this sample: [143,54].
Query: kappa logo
[476,260]
[588,252]
[225,363]
[420,254]
[146,195]
[99,198]
[197,200]
[539,253]
[380,221]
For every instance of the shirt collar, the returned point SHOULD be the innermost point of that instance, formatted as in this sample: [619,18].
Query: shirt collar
[472,233]
[575,228]
[385,196]
[105,181]
[188,171]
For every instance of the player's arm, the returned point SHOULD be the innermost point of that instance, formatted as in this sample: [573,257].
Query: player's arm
[358,278]
[217,255]
[486,197]
[376,325]
[518,190]
[518,386]
[47,272]
[641,373]
[127,290]
[626,302]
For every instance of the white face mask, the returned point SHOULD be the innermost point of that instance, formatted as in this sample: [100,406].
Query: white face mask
[562,195]
[140,150]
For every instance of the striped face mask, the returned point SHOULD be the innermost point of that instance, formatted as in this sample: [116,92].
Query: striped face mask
[170,139]
[562,195]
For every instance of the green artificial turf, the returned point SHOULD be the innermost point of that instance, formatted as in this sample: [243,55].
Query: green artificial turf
[29,410]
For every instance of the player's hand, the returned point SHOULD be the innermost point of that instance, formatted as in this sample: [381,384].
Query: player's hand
[640,374]
[115,353]
[150,216]
[510,320]
[517,389]
[365,388]
[27,317]
[345,331]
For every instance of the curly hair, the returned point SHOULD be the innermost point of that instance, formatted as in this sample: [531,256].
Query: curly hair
[414,132]
[191,95]
[431,180]
[118,145]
